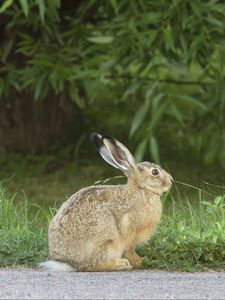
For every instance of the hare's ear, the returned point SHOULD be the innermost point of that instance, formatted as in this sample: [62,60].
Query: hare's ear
[115,153]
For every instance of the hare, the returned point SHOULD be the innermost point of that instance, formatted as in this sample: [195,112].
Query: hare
[98,228]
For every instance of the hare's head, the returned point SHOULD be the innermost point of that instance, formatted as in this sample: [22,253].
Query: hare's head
[154,177]
[146,175]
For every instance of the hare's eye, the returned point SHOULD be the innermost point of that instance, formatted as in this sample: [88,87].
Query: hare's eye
[155,172]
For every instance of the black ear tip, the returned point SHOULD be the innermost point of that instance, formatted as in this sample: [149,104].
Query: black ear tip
[96,139]
[93,137]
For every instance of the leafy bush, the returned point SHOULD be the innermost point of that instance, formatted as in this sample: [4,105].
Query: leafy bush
[165,59]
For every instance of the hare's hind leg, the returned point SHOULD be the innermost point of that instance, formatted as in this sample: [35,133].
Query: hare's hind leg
[116,264]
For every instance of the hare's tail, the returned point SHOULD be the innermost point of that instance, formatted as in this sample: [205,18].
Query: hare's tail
[56,266]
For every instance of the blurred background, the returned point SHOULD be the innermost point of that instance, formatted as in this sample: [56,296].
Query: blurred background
[149,73]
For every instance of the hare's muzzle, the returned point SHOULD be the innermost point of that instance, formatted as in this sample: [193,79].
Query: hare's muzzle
[167,183]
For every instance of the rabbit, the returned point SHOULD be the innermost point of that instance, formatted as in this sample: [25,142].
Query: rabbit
[99,227]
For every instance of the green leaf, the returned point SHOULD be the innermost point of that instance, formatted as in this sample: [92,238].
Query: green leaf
[196,44]
[179,68]
[150,91]
[214,21]
[196,9]
[156,116]
[7,49]
[132,89]
[38,89]
[101,39]
[191,101]
[154,149]
[151,17]
[139,117]
[176,114]
[42,8]
[183,43]
[151,36]
[156,102]
[5,5]
[115,5]
[74,94]
[140,151]
[108,65]
[168,36]
[25,7]
[213,148]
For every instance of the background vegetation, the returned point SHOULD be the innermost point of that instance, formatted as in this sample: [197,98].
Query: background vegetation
[155,69]
[152,74]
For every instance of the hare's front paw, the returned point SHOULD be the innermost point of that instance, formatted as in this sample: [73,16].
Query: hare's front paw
[134,259]
[122,264]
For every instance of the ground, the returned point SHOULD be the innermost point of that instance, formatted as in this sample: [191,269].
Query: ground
[37,284]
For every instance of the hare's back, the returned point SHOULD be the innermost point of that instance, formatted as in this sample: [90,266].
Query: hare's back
[85,202]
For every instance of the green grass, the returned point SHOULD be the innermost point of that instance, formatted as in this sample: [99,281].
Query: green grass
[191,236]
[23,230]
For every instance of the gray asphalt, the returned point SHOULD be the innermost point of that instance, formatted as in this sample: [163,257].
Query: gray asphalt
[36,284]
